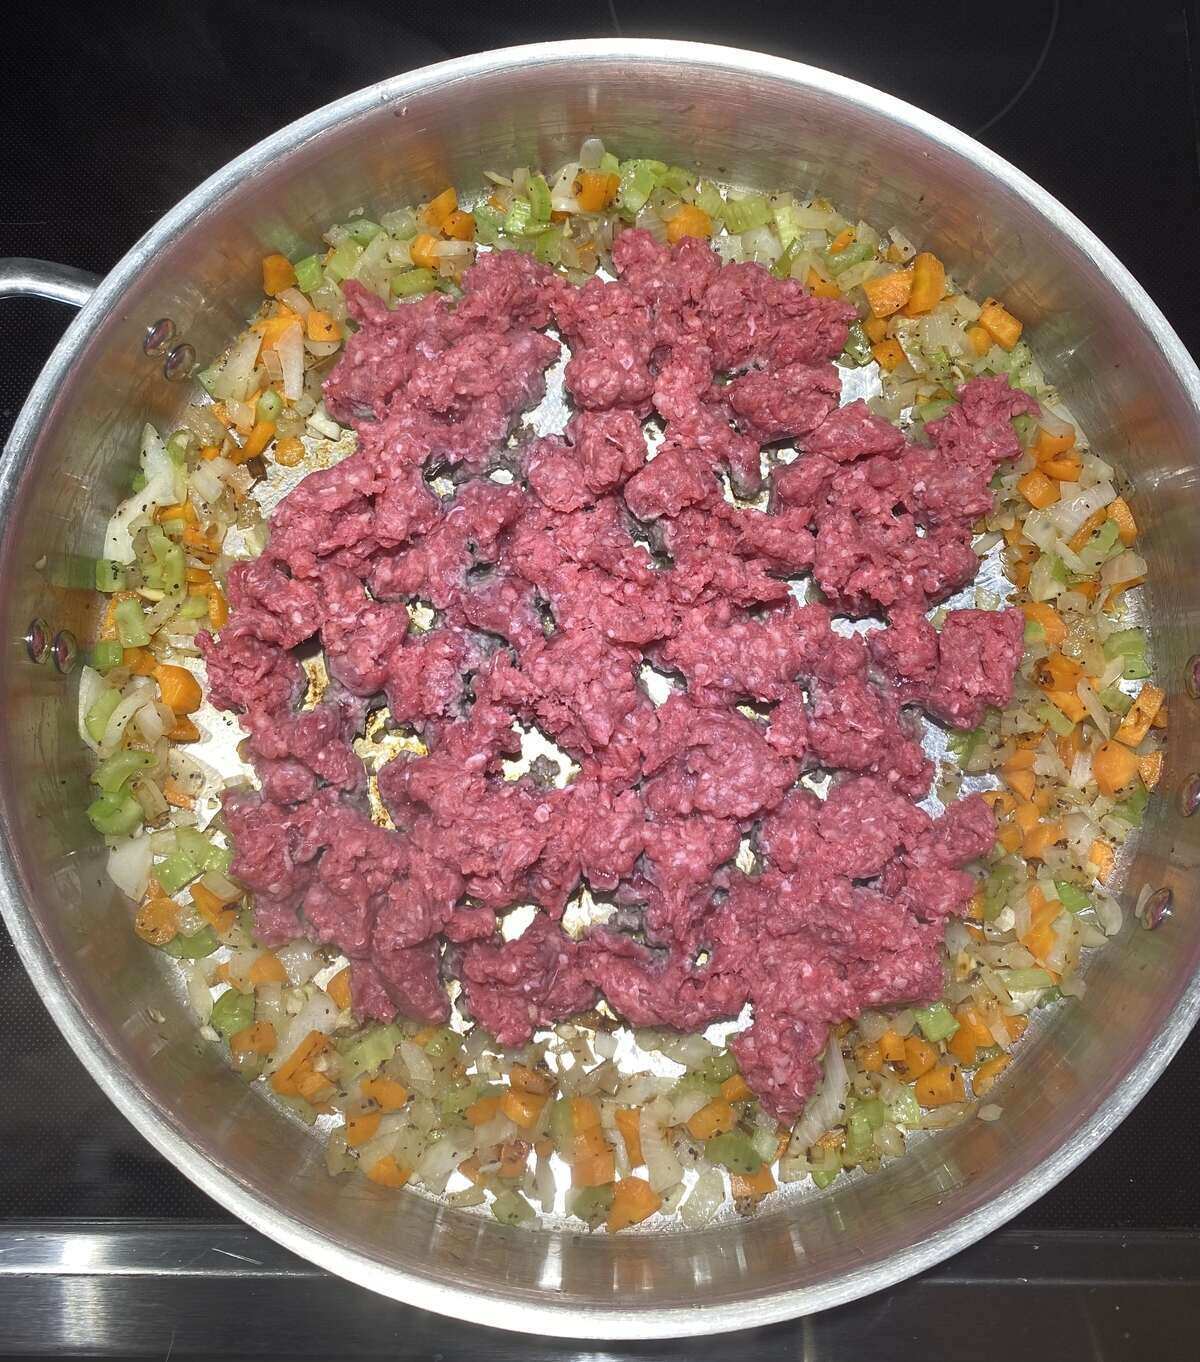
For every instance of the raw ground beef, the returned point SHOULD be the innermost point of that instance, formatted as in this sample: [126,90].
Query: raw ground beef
[551,594]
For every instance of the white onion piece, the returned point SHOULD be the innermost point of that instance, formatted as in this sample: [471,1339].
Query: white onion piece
[91,683]
[205,482]
[150,797]
[499,1130]
[690,1051]
[591,153]
[420,1070]
[443,1157]
[322,349]
[114,730]
[148,721]
[1091,702]
[1108,913]
[293,298]
[319,1013]
[300,958]
[544,1187]
[1070,513]
[686,1105]
[199,996]
[228,892]
[129,865]
[663,1169]
[235,373]
[826,1105]
[1123,568]
[705,1199]
[290,349]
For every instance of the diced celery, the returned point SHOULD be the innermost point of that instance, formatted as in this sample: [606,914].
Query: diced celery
[562,1124]
[110,576]
[784,214]
[1054,718]
[547,246]
[962,745]
[1072,898]
[639,179]
[115,815]
[195,947]
[935,410]
[1115,700]
[114,771]
[677,179]
[363,230]
[138,481]
[488,224]
[859,1141]
[854,254]
[175,871]
[996,889]
[1125,643]
[939,367]
[107,654]
[519,218]
[1035,631]
[765,1143]
[207,379]
[745,213]
[511,1208]
[936,1022]
[203,850]
[720,1066]
[874,1110]
[269,405]
[782,269]
[96,719]
[1026,428]
[401,223]
[1101,546]
[591,1203]
[220,860]
[177,447]
[1136,669]
[458,1098]
[1025,980]
[708,197]
[343,259]
[696,1081]
[443,1043]
[858,348]
[233,1011]
[131,625]
[733,1150]
[904,1109]
[408,283]
[824,1176]
[310,273]
[1131,810]
[367,1052]
[609,165]
[539,199]
[194,608]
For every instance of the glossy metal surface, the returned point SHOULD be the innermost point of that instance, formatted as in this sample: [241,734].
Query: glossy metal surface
[742,118]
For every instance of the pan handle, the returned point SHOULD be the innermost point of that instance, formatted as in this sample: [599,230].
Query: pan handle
[20,278]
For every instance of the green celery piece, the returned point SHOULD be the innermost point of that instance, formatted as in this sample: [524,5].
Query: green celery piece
[1125,643]
[310,273]
[363,230]
[207,379]
[110,576]
[857,350]
[194,608]
[488,224]
[408,283]
[401,224]
[677,179]
[115,815]
[1054,718]
[178,446]
[591,1203]
[201,848]
[175,871]
[639,179]
[457,1099]
[783,214]
[733,1150]
[962,745]
[1132,810]
[935,410]
[195,947]
[699,1082]
[782,269]
[1035,631]
[747,213]
[96,719]
[343,259]
[609,165]
[269,405]
[539,199]
[114,771]
[1026,428]
[365,1053]
[858,1137]
[824,1176]
[443,1043]
[131,624]
[1025,980]
[1136,669]
[519,218]
[996,889]
[720,1066]
[708,198]
[936,1022]
[107,654]
[904,1109]
[233,1011]
[1115,700]
[562,1124]
[1072,898]
[855,254]
[547,246]
[765,1143]
[874,1110]
[511,1208]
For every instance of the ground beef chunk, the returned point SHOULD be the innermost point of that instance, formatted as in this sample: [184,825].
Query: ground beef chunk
[556,567]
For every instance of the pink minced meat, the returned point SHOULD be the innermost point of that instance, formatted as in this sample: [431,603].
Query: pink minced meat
[552,589]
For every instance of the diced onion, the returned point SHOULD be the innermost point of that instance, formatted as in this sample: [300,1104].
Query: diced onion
[704,1200]
[591,153]
[1070,514]
[1125,567]
[235,374]
[290,348]
[114,730]
[443,1157]
[662,1167]
[826,1105]
[295,300]
[1108,913]
[129,865]
[91,683]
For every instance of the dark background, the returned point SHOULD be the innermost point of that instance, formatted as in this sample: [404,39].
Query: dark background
[110,114]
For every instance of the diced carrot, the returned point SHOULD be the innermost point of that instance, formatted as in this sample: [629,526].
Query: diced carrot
[1037,842]
[919,1057]
[261,435]
[1160,719]
[1114,767]
[218,607]
[971,1024]
[197,576]
[1121,516]
[389,1094]
[459,226]
[544,1147]
[1066,468]
[1120,588]
[522,1108]
[210,452]
[1023,759]
[1089,527]
[634,1200]
[176,795]
[1016,1026]
[469,1168]
[277,274]
[1047,446]
[362,1126]
[424,251]
[819,287]
[1041,612]
[1019,574]
[1022,782]
[286,1080]
[180,690]
[1136,723]
[1150,768]
[585,1114]
[1001,801]
[889,354]
[514,1156]
[1000,324]
[688,220]
[157,919]
[736,1089]
[211,908]
[1009,837]
[256,1039]
[1069,702]
[439,208]
[629,1124]
[928,284]
[887,293]
[843,239]
[338,989]
[1057,672]
[975,910]
[388,1173]
[217,409]
[987,1074]
[940,1085]
[875,329]
[184,511]
[592,1161]
[981,341]
[322,326]
[289,451]
[425,1035]
[482,1111]
[528,1080]
[596,190]
[891,1047]
[752,1186]
[714,1118]
[267,969]
[184,730]
[1037,489]
[1039,939]
[869,1058]
[140,661]
[1026,817]
[1103,857]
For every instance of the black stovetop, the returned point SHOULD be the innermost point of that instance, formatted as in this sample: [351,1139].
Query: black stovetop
[112,114]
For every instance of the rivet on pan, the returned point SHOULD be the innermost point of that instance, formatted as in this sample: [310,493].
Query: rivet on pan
[1156,908]
[37,640]
[1191,676]
[179,364]
[1189,796]
[65,650]
[158,336]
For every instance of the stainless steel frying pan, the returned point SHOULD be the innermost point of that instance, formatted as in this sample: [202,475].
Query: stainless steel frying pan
[739,117]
